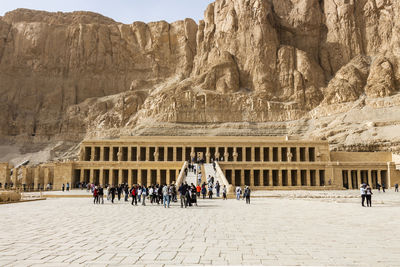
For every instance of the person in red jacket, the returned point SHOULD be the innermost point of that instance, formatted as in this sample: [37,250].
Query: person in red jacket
[198,190]
[133,194]
[95,195]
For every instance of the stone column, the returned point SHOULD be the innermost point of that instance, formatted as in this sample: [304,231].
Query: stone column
[174,157]
[308,177]
[298,177]
[139,178]
[102,153]
[317,181]
[119,176]
[129,153]
[370,178]
[156,154]
[297,154]
[208,155]
[92,153]
[241,177]
[82,175]
[307,154]
[252,178]
[358,178]
[192,153]
[262,154]
[101,177]
[165,153]
[261,177]
[244,154]
[290,177]
[349,183]
[271,154]
[158,178]
[226,154]
[280,182]
[91,176]
[253,154]
[138,153]
[130,182]
[233,178]
[279,154]
[379,177]
[217,155]
[148,182]
[147,153]
[168,176]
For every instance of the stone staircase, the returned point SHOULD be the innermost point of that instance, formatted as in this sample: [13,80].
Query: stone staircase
[209,171]
[191,177]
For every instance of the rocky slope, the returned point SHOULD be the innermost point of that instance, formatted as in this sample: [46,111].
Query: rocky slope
[314,68]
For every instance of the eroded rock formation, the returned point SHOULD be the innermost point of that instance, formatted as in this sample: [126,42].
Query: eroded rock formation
[276,66]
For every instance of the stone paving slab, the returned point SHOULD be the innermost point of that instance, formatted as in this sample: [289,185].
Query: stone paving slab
[270,231]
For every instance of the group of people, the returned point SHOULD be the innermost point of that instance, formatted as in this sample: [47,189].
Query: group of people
[246,193]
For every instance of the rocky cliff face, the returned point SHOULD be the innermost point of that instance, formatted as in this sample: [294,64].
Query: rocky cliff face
[302,67]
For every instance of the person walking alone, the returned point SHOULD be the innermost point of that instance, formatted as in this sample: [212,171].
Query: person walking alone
[224,193]
[166,200]
[217,188]
[368,195]
[247,194]
[396,188]
[238,192]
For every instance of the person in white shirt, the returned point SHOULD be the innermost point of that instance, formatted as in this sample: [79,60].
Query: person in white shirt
[363,193]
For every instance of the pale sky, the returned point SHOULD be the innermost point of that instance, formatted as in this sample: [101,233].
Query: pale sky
[126,11]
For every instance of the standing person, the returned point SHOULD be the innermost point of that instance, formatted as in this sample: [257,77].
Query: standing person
[363,194]
[144,194]
[151,196]
[112,193]
[396,188]
[378,186]
[95,196]
[247,193]
[126,191]
[210,191]
[224,192]
[133,194]
[217,187]
[101,194]
[63,187]
[199,178]
[238,192]
[383,187]
[368,195]
[204,191]
[119,191]
[139,194]
[198,190]
[67,186]
[165,191]
[182,194]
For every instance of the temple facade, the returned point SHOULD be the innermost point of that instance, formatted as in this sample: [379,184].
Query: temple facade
[260,162]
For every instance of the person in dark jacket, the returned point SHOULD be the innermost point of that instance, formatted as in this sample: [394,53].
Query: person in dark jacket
[119,192]
[112,192]
[101,194]
[182,191]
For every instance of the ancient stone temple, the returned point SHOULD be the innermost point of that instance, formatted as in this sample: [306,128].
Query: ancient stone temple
[260,162]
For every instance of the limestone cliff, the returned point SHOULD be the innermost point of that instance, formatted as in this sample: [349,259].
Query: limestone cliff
[314,68]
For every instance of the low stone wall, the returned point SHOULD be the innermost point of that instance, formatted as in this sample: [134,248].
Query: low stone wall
[9,196]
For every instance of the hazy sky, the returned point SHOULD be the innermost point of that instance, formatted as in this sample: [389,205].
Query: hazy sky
[125,11]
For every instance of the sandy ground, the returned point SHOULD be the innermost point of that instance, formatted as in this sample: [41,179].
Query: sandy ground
[270,231]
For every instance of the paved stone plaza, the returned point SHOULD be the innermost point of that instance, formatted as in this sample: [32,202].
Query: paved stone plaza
[270,231]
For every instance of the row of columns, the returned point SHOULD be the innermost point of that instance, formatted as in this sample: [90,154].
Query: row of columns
[359,178]
[280,177]
[208,155]
[140,180]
